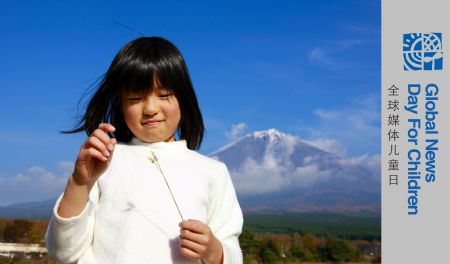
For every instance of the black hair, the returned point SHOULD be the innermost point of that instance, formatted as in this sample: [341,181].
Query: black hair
[137,68]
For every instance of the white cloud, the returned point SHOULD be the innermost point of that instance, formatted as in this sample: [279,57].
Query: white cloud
[330,145]
[363,29]
[258,178]
[277,173]
[236,131]
[321,56]
[329,54]
[327,114]
[34,184]
[66,167]
[356,126]
[349,43]
[354,161]
[307,175]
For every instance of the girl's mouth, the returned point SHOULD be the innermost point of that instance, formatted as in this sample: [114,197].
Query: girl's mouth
[152,123]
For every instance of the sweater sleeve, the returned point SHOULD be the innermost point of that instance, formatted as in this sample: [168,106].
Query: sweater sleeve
[68,238]
[225,216]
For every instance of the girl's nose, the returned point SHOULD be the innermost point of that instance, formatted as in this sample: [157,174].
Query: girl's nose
[151,106]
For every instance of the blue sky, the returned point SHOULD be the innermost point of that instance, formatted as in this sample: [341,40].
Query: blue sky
[307,68]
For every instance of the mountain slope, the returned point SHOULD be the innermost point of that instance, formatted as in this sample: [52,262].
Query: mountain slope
[32,210]
[273,171]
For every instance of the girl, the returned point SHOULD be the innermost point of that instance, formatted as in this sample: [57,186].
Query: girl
[145,196]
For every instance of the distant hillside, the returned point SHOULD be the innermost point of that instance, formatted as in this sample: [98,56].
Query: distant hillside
[32,210]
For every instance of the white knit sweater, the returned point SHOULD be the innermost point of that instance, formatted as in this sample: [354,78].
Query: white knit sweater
[131,218]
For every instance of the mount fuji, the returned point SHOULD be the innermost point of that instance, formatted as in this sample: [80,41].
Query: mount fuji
[277,172]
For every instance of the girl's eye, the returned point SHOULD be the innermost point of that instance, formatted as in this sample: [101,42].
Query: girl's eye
[164,96]
[134,99]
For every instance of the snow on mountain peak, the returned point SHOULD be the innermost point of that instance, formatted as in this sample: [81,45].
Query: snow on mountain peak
[272,134]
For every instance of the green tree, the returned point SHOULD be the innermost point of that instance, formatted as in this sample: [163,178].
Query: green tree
[309,256]
[269,252]
[296,251]
[268,256]
[249,243]
[341,250]
[273,247]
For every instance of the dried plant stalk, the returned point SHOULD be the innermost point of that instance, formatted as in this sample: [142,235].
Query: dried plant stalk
[154,160]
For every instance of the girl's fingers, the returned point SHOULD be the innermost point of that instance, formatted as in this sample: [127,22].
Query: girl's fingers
[195,237]
[104,138]
[189,253]
[96,143]
[195,226]
[94,153]
[100,135]
[191,245]
[106,127]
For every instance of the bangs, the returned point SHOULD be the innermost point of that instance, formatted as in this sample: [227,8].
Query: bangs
[137,78]
[142,79]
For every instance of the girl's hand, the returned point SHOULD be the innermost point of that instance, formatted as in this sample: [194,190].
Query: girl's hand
[197,241]
[92,161]
[94,156]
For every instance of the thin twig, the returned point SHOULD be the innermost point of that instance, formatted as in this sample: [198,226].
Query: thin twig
[154,160]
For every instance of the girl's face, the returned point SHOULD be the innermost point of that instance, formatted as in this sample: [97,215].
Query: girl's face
[153,117]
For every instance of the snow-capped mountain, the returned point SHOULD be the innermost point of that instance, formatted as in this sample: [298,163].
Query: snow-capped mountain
[274,171]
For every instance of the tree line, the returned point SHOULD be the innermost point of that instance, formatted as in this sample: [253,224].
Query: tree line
[256,247]
[306,248]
